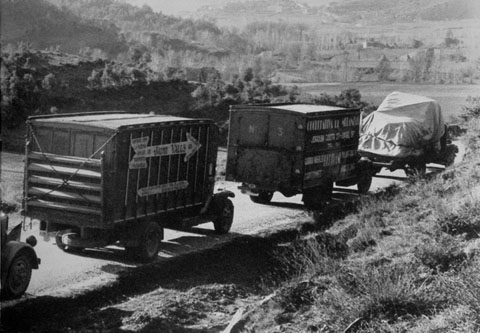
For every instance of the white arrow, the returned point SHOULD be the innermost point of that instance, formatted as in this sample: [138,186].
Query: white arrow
[189,148]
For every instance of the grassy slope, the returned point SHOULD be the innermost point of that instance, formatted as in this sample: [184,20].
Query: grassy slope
[413,263]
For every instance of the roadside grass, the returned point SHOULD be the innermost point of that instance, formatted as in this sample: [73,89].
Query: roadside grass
[11,189]
[412,261]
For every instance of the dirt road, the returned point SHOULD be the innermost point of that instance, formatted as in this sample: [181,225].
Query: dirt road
[66,274]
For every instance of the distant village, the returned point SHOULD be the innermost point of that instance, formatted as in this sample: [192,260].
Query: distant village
[436,54]
[374,60]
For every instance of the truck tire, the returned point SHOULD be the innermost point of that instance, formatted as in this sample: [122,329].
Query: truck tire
[150,238]
[364,184]
[62,246]
[450,154]
[263,197]
[58,240]
[417,169]
[315,197]
[224,219]
[18,276]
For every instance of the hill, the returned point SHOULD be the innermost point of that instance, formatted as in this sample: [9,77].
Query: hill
[110,28]
[154,29]
[395,11]
[44,25]
[333,12]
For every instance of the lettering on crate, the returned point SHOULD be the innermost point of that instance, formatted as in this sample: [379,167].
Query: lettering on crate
[330,159]
[344,135]
[326,124]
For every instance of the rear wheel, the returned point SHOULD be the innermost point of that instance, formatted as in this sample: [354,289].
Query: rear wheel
[149,242]
[58,240]
[364,184]
[263,197]
[315,197]
[416,169]
[224,219]
[450,154]
[18,278]
[67,248]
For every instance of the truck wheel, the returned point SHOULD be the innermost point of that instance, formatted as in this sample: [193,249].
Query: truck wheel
[450,154]
[18,278]
[62,246]
[263,197]
[418,169]
[364,184]
[150,239]
[315,197]
[58,240]
[224,219]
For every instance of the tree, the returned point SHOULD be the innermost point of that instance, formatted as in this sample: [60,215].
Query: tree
[248,74]
[383,69]
[49,82]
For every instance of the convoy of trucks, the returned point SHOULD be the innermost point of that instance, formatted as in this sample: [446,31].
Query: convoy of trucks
[101,178]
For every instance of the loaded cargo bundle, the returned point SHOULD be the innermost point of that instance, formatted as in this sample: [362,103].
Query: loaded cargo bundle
[105,177]
[406,132]
[404,125]
[294,149]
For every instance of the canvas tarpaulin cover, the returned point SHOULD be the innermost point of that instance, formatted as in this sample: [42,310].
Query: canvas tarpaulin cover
[404,125]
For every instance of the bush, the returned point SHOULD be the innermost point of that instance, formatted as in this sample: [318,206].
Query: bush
[466,220]
[472,109]
[464,288]
[441,255]
[391,291]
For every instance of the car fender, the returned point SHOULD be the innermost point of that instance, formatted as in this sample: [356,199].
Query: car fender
[11,249]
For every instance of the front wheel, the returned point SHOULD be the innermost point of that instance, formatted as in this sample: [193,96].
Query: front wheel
[224,219]
[18,278]
[263,197]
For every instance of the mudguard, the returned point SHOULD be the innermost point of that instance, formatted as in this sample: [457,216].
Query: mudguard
[11,249]
[224,194]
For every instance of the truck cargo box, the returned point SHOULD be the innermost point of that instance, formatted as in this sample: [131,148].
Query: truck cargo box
[291,147]
[103,169]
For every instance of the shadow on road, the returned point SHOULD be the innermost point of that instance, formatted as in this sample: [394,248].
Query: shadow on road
[168,248]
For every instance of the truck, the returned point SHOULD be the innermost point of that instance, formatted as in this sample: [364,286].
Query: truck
[18,259]
[406,132]
[100,178]
[295,149]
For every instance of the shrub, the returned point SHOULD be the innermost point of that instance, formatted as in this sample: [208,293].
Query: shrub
[464,288]
[465,220]
[441,255]
[389,292]
[472,109]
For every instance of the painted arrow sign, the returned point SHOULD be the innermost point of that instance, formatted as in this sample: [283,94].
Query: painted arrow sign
[143,151]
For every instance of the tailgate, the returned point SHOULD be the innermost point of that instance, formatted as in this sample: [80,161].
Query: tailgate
[63,189]
[267,169]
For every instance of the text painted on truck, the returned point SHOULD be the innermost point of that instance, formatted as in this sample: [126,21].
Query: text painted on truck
[328,123]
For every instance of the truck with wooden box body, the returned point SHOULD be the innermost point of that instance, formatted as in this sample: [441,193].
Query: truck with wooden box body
[106,178]
[293,149]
